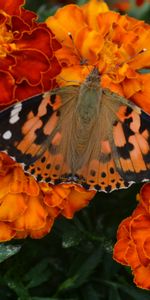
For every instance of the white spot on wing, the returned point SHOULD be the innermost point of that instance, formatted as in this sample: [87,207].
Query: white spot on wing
[14,115]
[7,135]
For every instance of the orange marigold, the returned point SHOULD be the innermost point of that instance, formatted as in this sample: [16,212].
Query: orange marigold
[133,240]
[29,208]
[28,65]
[118,45]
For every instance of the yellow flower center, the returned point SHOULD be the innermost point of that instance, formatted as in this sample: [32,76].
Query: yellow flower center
[6,41]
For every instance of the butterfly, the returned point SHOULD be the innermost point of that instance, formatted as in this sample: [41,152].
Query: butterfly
[83,134]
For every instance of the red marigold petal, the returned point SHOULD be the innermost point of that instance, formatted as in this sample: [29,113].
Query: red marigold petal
[120,250]
[6,232]
[18,26]
[24,90]
[139,230]
[34,217]
[146,247]
[142,276]
[6,88]
[3,18]
[6,63]
[38,39]
[123,229]
[29,65]
[53,71]
[55,44]
[131,256]
[12,206]
[144,198]
[28,16]
[145,193]
[11,7]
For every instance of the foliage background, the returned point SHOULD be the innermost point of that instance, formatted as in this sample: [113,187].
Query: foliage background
[74,261]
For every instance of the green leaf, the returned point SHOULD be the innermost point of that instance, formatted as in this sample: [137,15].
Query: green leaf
[47,298]
[136,293]
[88,293]
[83,272]
[7,251]
[114,294]
[17,286]
[71,237]
[38,274]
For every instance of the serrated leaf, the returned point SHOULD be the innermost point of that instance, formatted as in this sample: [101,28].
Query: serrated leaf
[7,251]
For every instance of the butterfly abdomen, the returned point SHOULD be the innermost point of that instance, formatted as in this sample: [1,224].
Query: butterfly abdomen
[84,122]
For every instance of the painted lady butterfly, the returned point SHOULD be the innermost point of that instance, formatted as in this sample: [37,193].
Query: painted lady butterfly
[83,134]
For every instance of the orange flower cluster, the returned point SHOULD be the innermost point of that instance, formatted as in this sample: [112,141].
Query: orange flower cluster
[28,65]
[29,208]
[118,45]
[133,245]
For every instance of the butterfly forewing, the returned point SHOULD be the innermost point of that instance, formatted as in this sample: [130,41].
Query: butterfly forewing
[82,134]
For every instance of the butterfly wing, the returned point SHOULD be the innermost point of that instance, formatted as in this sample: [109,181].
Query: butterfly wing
[35,133]
[123,141]
[30,131]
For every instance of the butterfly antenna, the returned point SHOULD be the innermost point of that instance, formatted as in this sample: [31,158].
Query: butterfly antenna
[83,61]
[126,61]
[75,81]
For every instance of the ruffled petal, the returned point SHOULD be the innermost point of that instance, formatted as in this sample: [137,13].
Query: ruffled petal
[6,232]
[34,216]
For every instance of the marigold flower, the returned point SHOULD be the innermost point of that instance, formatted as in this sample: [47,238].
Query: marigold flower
[29,208]
[133,240]
[118,45]
[28,65]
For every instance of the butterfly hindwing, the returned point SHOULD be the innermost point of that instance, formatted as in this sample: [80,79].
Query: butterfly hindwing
[124,145]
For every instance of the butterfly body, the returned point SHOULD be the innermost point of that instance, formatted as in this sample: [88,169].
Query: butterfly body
[83,134]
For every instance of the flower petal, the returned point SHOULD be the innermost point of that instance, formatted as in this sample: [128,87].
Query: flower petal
[6,232]
[12,206]
[6,87]
[34,217]
[11,7]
